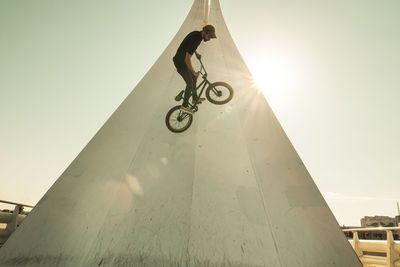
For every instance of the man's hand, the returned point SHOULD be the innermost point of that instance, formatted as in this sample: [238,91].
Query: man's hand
[196,73]
[198,56]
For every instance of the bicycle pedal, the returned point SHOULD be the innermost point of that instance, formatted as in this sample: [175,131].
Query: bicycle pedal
[179,96]
[198,101]
[187,110]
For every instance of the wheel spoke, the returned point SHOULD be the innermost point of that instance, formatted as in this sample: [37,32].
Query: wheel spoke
[220,94]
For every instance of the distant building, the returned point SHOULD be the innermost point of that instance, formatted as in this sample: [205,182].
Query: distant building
[378,221]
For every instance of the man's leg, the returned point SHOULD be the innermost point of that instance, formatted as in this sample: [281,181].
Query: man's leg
[194,91]
[190,80]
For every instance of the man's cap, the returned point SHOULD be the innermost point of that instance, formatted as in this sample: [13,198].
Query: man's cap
[210,30]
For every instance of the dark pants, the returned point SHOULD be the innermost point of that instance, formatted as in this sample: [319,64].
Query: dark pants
[191,81]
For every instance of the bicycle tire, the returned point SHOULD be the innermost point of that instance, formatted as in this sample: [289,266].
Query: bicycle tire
[175,112]
[217,87]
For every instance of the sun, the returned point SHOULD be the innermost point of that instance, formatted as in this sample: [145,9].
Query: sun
[271,75]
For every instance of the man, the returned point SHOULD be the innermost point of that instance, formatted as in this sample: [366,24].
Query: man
[183,63]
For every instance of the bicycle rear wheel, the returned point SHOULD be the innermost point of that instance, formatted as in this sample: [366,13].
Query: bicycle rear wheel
[219,93]
[178,121]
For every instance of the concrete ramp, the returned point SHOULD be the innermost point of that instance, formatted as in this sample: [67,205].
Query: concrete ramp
[230,191]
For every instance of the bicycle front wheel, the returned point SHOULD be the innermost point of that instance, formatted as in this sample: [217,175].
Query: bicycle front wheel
[178,121]
[219,93]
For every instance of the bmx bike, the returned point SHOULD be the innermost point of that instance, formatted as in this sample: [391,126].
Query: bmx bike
[218,93]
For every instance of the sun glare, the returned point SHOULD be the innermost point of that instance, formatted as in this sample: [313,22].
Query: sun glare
[271,76]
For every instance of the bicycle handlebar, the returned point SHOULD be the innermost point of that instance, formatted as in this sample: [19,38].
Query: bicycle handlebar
[202,68]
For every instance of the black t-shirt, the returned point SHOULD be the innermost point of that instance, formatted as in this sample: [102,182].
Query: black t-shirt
[189,45]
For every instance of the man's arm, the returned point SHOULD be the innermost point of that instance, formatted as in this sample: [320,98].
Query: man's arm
[188,62]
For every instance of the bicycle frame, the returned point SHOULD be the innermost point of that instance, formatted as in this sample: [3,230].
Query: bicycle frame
[203,83]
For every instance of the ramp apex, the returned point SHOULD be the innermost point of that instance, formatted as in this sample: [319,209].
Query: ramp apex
[206,13]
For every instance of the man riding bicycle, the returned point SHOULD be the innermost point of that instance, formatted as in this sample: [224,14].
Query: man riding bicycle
[183,63]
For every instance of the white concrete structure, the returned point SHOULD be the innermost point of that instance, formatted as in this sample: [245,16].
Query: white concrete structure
[388,250]
[230,191]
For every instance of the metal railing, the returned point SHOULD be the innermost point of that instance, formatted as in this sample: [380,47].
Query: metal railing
[376,252]
[11,219]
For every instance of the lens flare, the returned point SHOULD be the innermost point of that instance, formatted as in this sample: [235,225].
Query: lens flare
[134,184]
[164,161]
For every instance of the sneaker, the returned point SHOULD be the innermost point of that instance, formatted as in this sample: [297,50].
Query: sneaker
[179,96]
[186,110]
[201,99]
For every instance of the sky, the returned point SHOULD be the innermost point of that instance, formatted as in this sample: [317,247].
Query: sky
[329,70]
